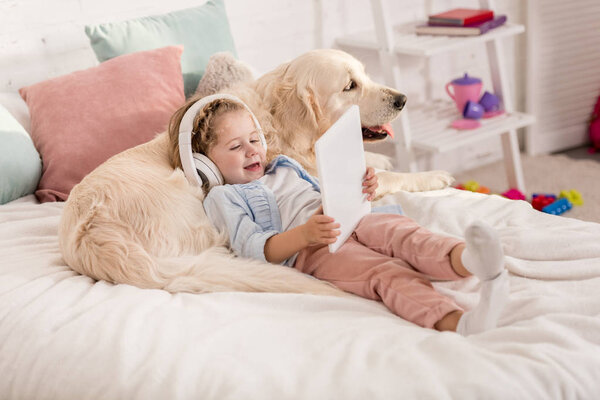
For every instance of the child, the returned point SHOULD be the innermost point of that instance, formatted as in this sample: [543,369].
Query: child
[273,212]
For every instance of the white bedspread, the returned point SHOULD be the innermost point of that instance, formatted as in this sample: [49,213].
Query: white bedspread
[64,336]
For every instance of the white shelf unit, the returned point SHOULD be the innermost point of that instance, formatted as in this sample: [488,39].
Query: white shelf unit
[431,122]
[406,42]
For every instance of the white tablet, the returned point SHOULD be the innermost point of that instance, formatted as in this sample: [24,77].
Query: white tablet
[341,167]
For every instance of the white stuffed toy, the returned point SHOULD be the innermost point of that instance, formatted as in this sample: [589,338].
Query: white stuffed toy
[222,71]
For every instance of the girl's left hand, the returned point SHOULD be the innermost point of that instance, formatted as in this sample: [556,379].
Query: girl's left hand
[370,183]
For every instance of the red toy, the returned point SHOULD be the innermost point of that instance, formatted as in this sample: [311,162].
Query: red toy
[540,201]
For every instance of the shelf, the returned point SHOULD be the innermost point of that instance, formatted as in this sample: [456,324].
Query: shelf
[406,42]
[431,131]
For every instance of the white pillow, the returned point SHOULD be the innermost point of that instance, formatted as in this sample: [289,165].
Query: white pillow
[20,164]
[17,107]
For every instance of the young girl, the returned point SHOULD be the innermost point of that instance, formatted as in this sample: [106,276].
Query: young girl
[273,212]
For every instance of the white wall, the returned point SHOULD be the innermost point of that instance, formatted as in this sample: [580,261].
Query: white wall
[40,39]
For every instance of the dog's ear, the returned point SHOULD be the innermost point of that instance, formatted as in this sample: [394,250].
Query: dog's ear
[296,103]
[173,132]
[314,112]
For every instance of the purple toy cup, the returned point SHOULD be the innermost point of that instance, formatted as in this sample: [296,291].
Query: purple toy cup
[490,102]
[473,110]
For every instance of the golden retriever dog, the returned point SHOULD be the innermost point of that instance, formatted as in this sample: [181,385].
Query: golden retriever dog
[299,100]
[136,220]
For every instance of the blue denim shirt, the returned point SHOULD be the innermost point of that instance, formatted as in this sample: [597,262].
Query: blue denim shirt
[248,212]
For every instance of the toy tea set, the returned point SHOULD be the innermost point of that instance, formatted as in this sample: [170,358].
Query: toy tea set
[465,93]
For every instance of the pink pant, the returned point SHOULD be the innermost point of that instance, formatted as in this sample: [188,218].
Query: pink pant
[389,258]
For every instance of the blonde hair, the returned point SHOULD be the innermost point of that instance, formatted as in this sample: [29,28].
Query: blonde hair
[204,136]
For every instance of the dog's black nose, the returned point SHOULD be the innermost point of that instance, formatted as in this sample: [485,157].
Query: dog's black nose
[399,101]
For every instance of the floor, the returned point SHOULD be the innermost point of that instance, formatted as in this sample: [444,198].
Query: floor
[566,170]
[581,153]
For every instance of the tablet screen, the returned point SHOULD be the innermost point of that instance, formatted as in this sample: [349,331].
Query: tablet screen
[341,168]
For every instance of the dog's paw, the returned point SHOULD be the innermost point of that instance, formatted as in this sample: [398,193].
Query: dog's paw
[434,180]
[392,182]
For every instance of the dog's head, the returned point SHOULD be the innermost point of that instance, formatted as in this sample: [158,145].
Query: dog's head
[319,86]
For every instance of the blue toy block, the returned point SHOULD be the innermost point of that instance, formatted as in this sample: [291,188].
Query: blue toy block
[544,194]
[558,207]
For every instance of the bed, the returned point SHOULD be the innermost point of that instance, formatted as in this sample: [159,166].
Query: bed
[65,336]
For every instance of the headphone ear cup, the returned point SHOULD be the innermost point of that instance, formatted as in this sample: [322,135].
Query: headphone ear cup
[207,170]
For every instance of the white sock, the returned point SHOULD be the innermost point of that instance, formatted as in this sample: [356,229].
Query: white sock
[493,297]
[484,258]
[483,255]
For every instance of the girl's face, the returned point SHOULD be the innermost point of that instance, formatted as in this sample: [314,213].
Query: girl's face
[238,153]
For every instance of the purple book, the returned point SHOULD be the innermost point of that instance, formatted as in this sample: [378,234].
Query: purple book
[478,28]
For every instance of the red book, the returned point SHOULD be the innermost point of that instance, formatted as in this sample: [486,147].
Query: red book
[461,16]
[478,28]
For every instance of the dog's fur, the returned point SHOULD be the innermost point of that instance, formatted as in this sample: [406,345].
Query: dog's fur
[299,100]
[136,220]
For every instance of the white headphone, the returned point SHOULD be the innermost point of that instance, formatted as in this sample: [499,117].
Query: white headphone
[197,167]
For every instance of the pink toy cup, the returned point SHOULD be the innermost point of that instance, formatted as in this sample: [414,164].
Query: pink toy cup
[464,89]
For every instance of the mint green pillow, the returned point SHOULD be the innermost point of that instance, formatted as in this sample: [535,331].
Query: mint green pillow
[20,164]
[202,31]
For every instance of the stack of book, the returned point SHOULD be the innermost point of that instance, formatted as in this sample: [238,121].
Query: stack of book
[461,22]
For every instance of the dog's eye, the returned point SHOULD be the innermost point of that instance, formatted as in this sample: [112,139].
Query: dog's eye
[351,85]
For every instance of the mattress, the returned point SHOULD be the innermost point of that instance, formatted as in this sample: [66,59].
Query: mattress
[66,336]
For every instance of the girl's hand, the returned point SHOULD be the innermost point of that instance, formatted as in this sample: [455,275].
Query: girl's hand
[320,229]
[370,183]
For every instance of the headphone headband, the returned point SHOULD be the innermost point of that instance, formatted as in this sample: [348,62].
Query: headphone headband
[186,128]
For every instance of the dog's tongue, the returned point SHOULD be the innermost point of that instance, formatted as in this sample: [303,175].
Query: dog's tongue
[385,127]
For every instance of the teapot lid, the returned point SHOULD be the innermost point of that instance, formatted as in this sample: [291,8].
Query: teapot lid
[466,80]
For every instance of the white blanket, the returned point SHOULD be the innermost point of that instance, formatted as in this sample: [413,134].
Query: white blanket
[64,336]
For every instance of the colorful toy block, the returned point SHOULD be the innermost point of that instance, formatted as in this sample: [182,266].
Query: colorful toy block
[473,186]
[514,194]
[572,195]
[551,195]
[539,201]
[558,207]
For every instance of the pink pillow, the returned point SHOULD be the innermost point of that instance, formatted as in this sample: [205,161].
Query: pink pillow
[80,120]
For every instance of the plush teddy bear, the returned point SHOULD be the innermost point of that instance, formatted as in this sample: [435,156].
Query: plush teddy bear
[222,71]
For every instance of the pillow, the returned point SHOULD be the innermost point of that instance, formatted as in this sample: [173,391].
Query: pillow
[202,31]
[80,120]
[17,108]
[20,164]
